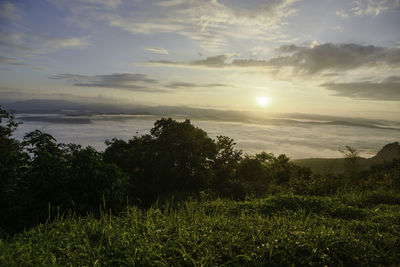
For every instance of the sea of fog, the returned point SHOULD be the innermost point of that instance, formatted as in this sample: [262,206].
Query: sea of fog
[294,137]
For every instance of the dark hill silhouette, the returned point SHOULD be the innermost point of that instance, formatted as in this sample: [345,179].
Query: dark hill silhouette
[388,152]
[337,165]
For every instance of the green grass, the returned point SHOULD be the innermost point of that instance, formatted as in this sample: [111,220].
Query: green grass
[355,229]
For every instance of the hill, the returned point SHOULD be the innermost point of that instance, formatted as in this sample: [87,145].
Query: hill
[337,165]
[282,230]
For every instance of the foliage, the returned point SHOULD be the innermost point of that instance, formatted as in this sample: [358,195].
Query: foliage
[351,165]
[12,165]
[175,158]
[386,176]
[40,177]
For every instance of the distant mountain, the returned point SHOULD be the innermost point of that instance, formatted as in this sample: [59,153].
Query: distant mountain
[65,106]
[337,165]
[388,152]
[80,108]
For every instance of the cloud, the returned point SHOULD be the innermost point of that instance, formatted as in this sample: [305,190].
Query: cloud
[345,69]
[342,14]
[131,82]
[339,57]
[11,61]
[87,4]
[337,28]
[386,90]
[369,8]
[289,48]
[210,23]
[17,62]
[9,11]
[210,62]
[70,77]
[22,47]
[169,3]
[307,60]
[57,43]
[125,81]
[374,7]
[157,50]
[19,40]
[13,40]
[177,85]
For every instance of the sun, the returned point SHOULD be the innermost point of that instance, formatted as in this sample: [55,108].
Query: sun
[263,101]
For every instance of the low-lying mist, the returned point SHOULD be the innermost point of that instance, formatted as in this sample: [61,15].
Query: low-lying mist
[296,137]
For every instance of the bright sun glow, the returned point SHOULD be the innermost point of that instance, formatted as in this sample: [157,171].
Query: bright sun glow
[263,101]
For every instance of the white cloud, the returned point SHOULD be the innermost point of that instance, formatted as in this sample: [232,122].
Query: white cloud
[374,7]
[341,13]
[24,44]
[57,43]
[210,23]
[337,28]
[9,11]
[157,50]
[19,42]
[137,27]
[369,7]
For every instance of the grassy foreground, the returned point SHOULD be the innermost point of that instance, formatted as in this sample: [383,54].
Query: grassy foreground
[351,229]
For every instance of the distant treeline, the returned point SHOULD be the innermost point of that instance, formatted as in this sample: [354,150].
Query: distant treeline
[40,177]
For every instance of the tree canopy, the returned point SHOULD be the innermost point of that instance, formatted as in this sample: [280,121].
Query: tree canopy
[39,176]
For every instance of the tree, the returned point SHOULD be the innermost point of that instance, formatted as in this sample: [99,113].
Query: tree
[46,176]
[351,166]
[12,166]
[225,167]
[175,158]
[11,153]
[92,182]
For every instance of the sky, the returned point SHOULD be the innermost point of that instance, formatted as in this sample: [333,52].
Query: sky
[332,57]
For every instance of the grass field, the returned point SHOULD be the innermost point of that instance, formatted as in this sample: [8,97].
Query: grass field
[349,229]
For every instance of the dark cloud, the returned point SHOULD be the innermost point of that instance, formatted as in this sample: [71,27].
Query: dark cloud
[289,48]
[177,85]
[327,57]
[17,62]
[69,77]
[125,81]
[332,57]
[309,60]
[211,62]
[11,61]
[386,90]
[130,81]
[217,61]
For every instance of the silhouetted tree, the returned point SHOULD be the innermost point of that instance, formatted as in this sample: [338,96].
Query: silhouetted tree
[351,165]
[46,176]
[12,163]
[225,167]
[175,157]
[92,181]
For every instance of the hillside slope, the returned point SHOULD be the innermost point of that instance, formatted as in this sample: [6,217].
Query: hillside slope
[337,165]
[283,230]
